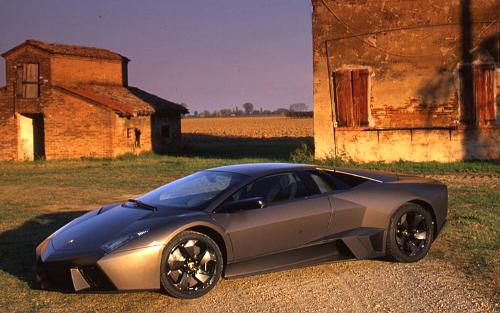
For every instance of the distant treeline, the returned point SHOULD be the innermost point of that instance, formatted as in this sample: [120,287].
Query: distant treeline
[297,110]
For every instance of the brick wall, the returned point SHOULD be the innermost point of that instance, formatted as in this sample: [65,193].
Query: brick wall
[8,129]
[412,51]
[75,128]
[71,70]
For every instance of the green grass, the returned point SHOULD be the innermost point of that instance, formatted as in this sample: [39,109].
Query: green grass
[38,197]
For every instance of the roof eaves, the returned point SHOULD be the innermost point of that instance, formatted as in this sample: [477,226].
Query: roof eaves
[114,106]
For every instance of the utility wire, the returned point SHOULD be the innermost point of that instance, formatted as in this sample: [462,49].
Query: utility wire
[357,33]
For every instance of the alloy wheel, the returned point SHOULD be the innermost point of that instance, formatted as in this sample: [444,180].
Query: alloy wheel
[411,233]
[191,266]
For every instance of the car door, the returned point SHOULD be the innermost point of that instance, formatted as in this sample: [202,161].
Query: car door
[294,215]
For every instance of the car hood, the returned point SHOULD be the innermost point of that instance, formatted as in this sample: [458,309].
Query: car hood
[92,230]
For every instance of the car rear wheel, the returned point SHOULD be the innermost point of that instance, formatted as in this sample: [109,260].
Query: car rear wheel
[411,232]
[191,265]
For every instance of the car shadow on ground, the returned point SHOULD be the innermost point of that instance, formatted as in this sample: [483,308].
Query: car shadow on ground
[17,246]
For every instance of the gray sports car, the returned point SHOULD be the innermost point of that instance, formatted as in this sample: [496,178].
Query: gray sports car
[241,220]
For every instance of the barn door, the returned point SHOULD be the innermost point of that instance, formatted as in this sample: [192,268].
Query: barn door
[26,145]
[31,137]
[351,97]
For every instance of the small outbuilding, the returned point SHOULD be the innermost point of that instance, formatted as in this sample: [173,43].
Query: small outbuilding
[66,102]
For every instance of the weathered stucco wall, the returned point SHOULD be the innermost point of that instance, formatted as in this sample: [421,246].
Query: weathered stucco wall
[446,145]
[412,50]
[124,134]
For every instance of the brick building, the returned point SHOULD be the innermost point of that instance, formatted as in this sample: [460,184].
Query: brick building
[63,101]
[406,80]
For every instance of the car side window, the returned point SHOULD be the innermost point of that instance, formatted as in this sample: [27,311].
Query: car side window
[341,181]
[275,188]
[321,182]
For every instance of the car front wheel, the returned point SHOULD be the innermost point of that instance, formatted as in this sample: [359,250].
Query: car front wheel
[191,265]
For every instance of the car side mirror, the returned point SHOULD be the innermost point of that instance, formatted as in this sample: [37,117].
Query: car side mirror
[242,205]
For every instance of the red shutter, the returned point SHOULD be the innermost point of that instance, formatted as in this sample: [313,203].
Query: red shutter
[360,96]
[351,90]
[484,93]
[343,91]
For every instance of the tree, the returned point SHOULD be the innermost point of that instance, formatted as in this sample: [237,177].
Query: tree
[225,112]
[281,111]
[248,107]
[298,107]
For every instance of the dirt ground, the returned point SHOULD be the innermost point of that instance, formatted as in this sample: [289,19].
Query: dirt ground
[357,286]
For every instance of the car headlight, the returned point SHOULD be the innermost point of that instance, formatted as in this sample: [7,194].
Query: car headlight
[120,241]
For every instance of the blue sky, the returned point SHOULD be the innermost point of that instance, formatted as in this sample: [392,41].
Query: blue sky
[209,54]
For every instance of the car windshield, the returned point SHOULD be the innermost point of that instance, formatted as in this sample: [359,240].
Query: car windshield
[192,191]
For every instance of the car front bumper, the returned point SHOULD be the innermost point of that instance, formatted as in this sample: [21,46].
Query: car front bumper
[137,269]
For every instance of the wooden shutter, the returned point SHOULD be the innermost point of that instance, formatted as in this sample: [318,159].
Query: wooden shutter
[19,81]
[30,81]
[360,96]
[484,93]
[477,106]
[343,91]
[351,90]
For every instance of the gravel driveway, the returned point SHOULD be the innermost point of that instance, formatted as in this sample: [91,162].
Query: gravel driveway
[357,286]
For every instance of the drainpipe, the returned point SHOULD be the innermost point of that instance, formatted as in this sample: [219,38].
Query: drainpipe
[333,103]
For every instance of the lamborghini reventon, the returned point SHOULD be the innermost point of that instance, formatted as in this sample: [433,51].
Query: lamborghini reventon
[240,220]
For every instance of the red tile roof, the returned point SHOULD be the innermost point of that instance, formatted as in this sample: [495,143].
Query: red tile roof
[61,49]
[126,101]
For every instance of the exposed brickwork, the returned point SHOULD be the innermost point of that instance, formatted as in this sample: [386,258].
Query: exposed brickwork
[90,135]
[412,50]
[85,104]
[74,70]
[8,128]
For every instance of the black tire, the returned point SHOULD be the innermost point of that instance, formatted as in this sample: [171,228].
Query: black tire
[410,233]
[191,265]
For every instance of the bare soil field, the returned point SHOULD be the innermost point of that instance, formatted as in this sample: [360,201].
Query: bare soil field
[249,127]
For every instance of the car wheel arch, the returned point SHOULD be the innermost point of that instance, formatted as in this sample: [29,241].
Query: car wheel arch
[215,236]
[212,231]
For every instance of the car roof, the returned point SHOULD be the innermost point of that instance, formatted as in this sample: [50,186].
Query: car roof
[259,169]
